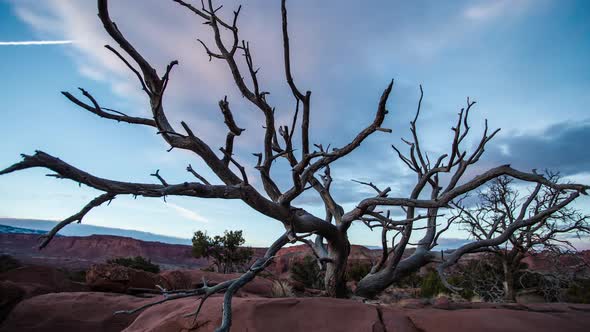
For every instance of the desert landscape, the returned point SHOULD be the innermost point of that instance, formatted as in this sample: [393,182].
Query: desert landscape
[69,286]
[184,165]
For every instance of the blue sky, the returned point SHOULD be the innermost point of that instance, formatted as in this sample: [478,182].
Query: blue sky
[524,61]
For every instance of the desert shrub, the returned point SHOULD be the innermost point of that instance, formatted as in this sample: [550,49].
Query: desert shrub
[412,280]
[137,262]
[431,285]
[75,275]
[467,291]
[225,250]
[308,273]
[357,270]
[8,263]
[281,288]
[482,278]
[579,291]
[406,287]
[549,285]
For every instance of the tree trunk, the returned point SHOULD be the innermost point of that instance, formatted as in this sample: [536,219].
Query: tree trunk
[335,279]
[373,284]
[509,292]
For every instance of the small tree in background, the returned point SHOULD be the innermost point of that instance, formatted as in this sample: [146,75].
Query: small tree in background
[501,205]
[224,250]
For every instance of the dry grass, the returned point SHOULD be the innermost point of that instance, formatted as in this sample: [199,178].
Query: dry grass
[282,288]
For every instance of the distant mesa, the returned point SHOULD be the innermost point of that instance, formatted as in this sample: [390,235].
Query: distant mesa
[5,229]
[35,226]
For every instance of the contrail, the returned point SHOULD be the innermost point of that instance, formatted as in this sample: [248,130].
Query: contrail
[35,42]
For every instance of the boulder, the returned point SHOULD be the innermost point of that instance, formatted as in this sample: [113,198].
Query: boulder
[412,303]
[441,302]
[189,279]
[500,320]
[118,279]
[262,315]
[64,312]
[10,294]
[328,314]
[92,311]
[287,256]
[43,277]
[28,281]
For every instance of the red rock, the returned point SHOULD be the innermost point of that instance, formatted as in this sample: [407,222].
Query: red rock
[187,279]
[42,277]
[80,252]
[441,302]
[397,321]
[10,295]
[500,320]
[412,303]
[118,279]
[261,315]
[177,279]
[63,312]
[90,312]
[26,282]
[74,252]
[289,255]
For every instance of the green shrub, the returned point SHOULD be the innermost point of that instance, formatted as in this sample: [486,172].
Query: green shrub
[431,285]
[413,280]
[357,271]
[8,263]
[308,273]
[579,291]
[467,292]
[137,262]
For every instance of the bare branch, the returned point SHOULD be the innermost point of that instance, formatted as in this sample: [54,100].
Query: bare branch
[141,81]
[229,118]
[190,169]
[96,109]
[46,238]
[67,171]
[157,175]
[240,167]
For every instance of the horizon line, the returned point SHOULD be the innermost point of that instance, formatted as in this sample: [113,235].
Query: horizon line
[35,42]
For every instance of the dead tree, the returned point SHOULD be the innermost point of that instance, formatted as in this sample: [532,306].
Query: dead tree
[442,180]
[310,168]
[500,205]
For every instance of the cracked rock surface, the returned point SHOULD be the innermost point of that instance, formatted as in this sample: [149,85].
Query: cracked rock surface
[90,311]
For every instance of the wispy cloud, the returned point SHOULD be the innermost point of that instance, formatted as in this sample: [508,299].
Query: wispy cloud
[493,8]
[188,214]
[35,42]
